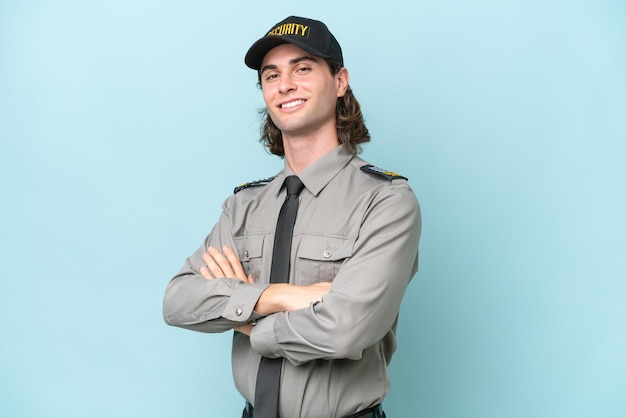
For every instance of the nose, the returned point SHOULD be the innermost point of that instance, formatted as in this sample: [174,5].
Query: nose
[286,84]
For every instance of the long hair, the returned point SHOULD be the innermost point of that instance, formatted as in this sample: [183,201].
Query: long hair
[351,129]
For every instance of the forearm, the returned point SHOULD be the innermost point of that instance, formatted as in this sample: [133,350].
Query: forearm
[285,297]
[216,305]
[191,301]
[336,328]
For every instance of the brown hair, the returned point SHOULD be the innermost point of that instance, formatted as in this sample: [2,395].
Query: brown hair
[351,129]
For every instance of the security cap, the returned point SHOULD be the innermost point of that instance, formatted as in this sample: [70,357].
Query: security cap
[309,35]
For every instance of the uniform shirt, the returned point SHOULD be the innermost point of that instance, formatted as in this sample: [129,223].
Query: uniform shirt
[356,229]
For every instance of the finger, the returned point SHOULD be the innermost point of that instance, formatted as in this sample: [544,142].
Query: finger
[221,261]
[205,273]
[213,267]
[233,259]
[250,279]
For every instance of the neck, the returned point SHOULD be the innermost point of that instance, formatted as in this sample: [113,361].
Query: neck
[302,151]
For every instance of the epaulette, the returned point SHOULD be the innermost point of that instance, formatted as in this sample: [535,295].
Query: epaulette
[389,175]
[254,183]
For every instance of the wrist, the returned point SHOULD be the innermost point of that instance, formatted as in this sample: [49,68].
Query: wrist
[272,299]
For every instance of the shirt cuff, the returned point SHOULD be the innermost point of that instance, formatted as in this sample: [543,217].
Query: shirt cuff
[242,301]
[263,338]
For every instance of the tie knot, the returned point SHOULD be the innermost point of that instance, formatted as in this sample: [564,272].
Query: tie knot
[294,185]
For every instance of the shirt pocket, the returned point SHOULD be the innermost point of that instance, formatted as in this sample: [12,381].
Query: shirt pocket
[319,258]
[250,251]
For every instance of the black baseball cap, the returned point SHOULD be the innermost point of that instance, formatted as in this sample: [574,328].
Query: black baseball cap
[309,35]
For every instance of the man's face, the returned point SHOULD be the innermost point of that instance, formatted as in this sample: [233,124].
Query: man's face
[299,91]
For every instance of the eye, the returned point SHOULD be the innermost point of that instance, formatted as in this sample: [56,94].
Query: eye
[271,76]
[303,69]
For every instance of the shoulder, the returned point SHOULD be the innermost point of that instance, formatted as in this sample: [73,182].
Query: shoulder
[371,173]
[390,190]
[368,182]
[380,173]
[255,183]
[381,182]
[246,193]
[386,193]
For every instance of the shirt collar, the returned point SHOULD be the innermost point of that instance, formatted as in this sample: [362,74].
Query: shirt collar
[316,176]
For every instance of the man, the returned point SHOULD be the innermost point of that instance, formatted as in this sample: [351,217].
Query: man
[331,322]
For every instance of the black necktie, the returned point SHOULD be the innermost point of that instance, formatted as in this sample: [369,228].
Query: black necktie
[268,378]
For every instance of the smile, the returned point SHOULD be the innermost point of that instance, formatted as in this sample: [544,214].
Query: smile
[291,104]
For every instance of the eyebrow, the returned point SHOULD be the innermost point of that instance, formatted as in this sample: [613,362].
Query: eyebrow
[291,62]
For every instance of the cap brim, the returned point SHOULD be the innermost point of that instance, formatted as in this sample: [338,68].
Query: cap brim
[258,50]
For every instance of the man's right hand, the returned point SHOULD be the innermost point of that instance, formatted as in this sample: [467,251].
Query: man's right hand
[285,297]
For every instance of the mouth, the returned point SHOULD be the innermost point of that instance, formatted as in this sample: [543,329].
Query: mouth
[292,104]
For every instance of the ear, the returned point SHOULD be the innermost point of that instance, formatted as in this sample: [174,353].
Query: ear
[342,79]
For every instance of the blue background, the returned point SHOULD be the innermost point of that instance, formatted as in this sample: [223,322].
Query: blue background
[125,124]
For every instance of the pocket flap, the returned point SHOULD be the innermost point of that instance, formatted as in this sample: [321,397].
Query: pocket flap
[250,247]
[315,247]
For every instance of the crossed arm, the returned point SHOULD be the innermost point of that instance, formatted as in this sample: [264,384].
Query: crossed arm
[278,297]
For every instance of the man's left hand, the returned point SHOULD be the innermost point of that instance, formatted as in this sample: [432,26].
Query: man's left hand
[226,264]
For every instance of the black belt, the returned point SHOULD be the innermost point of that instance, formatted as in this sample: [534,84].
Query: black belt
[373,412]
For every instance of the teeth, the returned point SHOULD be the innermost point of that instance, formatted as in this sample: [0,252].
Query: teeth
[292,104]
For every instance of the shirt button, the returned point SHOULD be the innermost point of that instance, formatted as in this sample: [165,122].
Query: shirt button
[238,312]
[246,254]
[327,253]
